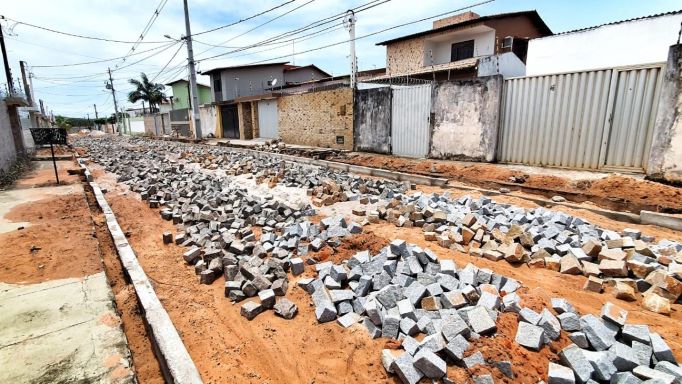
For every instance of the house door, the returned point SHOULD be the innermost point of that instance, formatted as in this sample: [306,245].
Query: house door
[267,119]
[229,121]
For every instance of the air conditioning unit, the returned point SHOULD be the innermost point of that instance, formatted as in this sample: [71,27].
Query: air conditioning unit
[508,42]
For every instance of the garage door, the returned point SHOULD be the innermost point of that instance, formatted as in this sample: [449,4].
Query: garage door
[267,118]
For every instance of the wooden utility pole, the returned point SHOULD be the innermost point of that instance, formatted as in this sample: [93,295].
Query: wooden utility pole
[113,94]
[194,95]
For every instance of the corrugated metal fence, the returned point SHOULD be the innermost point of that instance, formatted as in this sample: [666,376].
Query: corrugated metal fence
[591,119]
[410,111]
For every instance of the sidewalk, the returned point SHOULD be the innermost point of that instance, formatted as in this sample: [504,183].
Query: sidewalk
[58,323]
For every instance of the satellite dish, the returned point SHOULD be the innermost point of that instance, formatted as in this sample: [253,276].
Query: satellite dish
[273,82]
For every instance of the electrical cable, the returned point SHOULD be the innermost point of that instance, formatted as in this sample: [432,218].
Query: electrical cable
[243,20]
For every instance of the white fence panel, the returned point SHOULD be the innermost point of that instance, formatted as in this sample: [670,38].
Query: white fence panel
[410,112]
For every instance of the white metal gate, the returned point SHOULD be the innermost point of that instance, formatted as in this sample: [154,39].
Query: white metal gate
[267,119]
[590,119]
[410,112]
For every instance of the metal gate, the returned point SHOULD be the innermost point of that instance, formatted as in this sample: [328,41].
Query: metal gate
[410,112]
[267,119]
[591,119]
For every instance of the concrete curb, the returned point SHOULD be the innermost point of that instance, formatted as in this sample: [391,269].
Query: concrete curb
[176,364]
[661,219]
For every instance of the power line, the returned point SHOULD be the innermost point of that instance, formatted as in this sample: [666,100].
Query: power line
[147,57]
[104,60]
[146,28]
[169,61]
[262,24]
[77,35]
[375,33]
[315,24]
[243,20]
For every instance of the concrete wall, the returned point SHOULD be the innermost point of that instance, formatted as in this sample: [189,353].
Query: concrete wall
[252,81]
[484,44]
[209,120]
[506,64]
[8,153]
[628,43]
[317,118]
[665,160]
[372,120]
[465,117]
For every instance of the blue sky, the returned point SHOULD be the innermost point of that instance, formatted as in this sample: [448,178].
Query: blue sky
[125,19]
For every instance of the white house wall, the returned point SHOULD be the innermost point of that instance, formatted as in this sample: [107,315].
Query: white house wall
[623,44]
[484,44]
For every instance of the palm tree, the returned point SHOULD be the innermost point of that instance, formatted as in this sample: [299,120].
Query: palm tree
[147,91]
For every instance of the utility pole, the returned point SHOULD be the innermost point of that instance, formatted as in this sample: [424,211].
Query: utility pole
[349,22]
[96,116]
[12,111]
[192,75]
[27,86]
[110,85]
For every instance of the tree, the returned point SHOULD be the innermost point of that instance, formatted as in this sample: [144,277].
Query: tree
[147,91]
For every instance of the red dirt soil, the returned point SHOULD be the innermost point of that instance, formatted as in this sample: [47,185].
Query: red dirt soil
[68,247]
[615,187]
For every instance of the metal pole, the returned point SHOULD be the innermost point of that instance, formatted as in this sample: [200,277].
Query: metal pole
[350,20]
[96,117]
[8,71]
[192,74]
[27,88]
[54,162]
[113,94]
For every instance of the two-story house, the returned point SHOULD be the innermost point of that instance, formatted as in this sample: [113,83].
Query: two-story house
[243,95]
[466,45]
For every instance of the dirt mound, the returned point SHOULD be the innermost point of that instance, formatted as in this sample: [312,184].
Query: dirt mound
[349,247]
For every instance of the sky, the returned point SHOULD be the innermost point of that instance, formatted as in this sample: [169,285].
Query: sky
[72,90]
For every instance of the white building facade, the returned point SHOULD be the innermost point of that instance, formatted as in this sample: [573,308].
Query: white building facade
[644,40]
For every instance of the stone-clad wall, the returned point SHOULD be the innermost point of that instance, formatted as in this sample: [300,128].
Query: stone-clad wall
[405,56]
[317,118]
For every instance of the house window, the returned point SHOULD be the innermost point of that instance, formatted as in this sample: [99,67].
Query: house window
[217,85]
[462,50]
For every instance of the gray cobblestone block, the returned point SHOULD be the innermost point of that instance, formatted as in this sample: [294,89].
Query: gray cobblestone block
[646,373]
[306,284]
[267,298]
[579,339]
[406,309]
[661,350]
[600,336]
[473,360]
[373,311]
[430,364]
[511,302]
[453,326]
[624,357]
[561,305]
[325,310]
[483,379]
[435,343]
[572,356]
[530,336]
[614,313]
[550,324]
[636,332]
[339,295]
[448,267]
[489,300]
[570,321]
[411,345]
[297,266]
[558,374]
[387,360]
[671,369]
[372,329]
[453,299]
[404,368]
[251,309]
[286,308]
[506,368]
[391,325]
[344,307]
[192,256]
[349,319]
[408,326]
[456,347]
[602,362]
[530,316]
[280,287]
[643,351]
[625,378]
[480,321]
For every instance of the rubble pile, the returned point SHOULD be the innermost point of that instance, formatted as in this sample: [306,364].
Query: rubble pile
[404,291]
[630,261]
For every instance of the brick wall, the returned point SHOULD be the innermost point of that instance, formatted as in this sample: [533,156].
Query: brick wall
[254,119]
[455,19]
[317,118]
